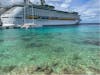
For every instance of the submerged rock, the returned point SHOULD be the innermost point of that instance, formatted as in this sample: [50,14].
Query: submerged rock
[46,69]
[26,39]
[7,56]
[92,32]
[11,38]
[95,70]
[1,40]
[32,69]
[36,45]
[76,57]
[89,42]
[32,58]
[59,33]
[66,71]
[7,68]
[1,55]
[59,49]
[93,42]
[55,64]
[73,70]
[51,35]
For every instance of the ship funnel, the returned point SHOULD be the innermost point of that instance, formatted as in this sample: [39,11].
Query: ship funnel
[42,2]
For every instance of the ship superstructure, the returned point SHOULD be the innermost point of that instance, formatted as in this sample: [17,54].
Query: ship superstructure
[39,15]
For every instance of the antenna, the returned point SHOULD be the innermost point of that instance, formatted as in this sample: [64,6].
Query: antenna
[27,1]
[42,2]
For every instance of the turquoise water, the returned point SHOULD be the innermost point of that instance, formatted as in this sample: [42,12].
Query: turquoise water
[62,49]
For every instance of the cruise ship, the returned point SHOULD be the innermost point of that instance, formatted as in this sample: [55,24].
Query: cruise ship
[30,14]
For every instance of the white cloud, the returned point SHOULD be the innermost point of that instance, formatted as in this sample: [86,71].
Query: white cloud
[90,11]
[60,4]
[66,4]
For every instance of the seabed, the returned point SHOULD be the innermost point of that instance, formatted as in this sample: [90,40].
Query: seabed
[65,50]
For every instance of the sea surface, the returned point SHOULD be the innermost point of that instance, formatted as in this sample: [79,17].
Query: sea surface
[50,50]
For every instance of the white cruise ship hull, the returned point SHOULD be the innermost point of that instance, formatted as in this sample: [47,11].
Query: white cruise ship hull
[43,23]
[55,22]
[17,16]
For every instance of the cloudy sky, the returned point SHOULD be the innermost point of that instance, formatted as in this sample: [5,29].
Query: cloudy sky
[88,9]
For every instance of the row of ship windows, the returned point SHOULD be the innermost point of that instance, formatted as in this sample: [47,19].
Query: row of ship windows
[42,17]
[40,12]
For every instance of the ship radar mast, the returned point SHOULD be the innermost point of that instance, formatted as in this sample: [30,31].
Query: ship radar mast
[43,2]
[27,2]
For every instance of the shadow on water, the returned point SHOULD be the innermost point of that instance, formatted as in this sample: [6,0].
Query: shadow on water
[58,49]
[1,40]
[92,42]
[26,39]
[5,56]
[8,39]
[88,41]
[36,44]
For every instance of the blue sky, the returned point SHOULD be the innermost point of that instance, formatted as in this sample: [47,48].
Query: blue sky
[88,9]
